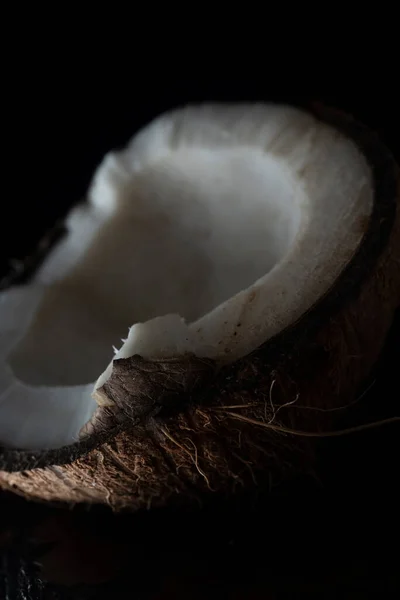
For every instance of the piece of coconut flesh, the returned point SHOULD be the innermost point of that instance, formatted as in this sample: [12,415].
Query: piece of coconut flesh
[217,227]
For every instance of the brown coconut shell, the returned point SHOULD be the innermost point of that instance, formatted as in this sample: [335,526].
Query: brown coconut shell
[186,430]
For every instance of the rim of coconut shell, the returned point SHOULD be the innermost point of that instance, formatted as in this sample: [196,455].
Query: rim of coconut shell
[346,287]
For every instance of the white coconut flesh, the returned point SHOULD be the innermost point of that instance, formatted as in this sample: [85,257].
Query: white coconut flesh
[213,230]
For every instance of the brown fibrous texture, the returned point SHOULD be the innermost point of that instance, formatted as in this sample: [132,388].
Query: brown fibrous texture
[210,447]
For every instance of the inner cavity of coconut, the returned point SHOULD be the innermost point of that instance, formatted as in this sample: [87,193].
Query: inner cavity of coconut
[212,231]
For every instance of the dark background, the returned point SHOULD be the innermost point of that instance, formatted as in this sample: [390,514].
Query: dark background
[338,538]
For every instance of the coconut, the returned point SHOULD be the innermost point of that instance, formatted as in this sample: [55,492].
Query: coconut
[254,252]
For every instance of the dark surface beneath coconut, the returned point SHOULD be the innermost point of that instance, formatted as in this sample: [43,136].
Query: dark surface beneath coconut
[332,536]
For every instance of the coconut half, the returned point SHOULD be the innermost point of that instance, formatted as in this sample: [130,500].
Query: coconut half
[224,239]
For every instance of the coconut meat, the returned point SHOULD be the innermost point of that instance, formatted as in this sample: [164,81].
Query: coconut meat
[213,230]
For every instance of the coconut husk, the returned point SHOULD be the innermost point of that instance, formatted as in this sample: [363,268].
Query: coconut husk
[186,430]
